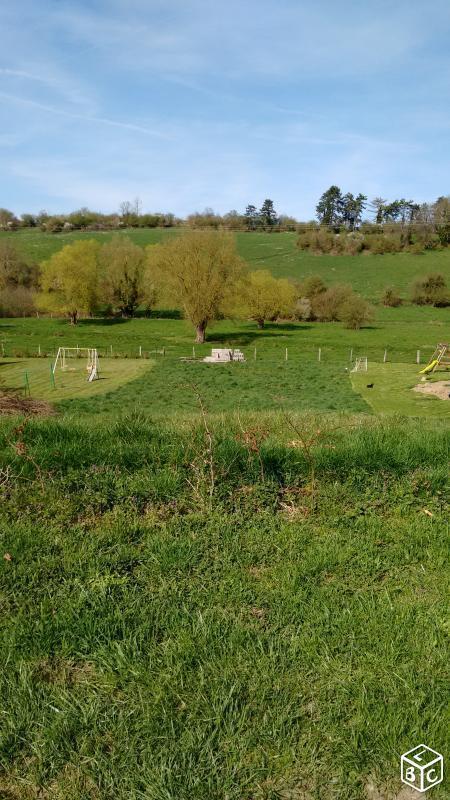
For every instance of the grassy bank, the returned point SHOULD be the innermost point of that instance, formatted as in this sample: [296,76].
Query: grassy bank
[368,274]
[212,612]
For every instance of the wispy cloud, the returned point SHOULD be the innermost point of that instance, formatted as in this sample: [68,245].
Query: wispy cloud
[195,104]
[128,126]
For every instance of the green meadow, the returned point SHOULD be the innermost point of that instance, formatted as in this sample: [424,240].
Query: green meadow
[225,582]
[368,274]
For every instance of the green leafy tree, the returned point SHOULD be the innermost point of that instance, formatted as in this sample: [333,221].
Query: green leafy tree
[267,214]
[441,214]
[352,209]
[252,218]
[122,274]
[329,207]
[14,269]
[70,280]
[8,220]
[264,297]
[198,271]
[377,206]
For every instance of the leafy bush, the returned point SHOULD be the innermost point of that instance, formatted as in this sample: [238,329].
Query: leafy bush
[311,287]
[326,306]
[17,301]
[303,309]
[431,291]
[391,299]
[355,312]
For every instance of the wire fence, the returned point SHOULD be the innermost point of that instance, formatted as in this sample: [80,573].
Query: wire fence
[300,353]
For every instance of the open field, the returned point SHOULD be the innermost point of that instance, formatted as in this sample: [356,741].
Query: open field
[248,604]
[260,637]
[264,382]
[393,393]
[71,382]
[368,275]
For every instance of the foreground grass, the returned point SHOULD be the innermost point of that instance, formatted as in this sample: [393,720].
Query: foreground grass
[225,617]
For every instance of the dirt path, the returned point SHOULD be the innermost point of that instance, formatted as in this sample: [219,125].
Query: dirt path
[437,389]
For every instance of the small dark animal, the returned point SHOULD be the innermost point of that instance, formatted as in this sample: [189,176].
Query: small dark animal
[369,386]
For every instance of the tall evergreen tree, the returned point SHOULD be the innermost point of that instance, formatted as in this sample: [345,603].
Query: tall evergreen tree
[329,207]
[251,217]
[352,209]
[267,214]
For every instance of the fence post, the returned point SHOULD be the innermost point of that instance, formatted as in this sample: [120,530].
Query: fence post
[385,357]
[140,351]
[319,354]
[286,356]
[351,355]
[418,357]
[39,349]
[111,349]
[193,351]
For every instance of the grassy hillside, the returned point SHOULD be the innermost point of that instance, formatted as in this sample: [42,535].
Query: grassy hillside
[191,615]
[277,252]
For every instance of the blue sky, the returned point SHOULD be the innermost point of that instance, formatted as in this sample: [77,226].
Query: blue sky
[189,103]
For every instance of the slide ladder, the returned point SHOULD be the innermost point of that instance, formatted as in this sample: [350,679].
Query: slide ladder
[440,358]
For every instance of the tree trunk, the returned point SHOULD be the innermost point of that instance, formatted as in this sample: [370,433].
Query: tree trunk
[260,323]
[73,317]
[200,333]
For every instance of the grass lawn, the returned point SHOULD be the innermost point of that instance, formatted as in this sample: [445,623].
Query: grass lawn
[277,252]
[245,605]
[70,383]
[165,640]
[392,391]
[300,383]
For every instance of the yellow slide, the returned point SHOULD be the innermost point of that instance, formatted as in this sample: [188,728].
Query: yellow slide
[429,367]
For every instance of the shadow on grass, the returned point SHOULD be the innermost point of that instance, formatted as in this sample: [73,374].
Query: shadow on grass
[105,322]
[270,331]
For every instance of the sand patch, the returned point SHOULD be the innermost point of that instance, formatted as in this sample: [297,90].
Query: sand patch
[439,389]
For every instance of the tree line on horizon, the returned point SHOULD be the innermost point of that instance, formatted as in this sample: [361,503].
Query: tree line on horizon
[336,211]
[199,273]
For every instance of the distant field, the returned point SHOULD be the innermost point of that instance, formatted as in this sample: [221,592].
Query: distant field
[282,364]
[277,252]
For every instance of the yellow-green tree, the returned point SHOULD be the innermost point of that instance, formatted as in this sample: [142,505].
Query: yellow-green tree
[122,267]
[70,280]
[200,273]
[263,297]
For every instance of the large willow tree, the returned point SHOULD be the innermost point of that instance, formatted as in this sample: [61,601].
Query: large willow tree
[70,280]
[199,272]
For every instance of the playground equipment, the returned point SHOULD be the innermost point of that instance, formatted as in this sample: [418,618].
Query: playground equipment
[65,353]
[223,355]
[360,364]
[440,358]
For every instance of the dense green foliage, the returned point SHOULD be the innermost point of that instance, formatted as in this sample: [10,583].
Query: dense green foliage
[368,275]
